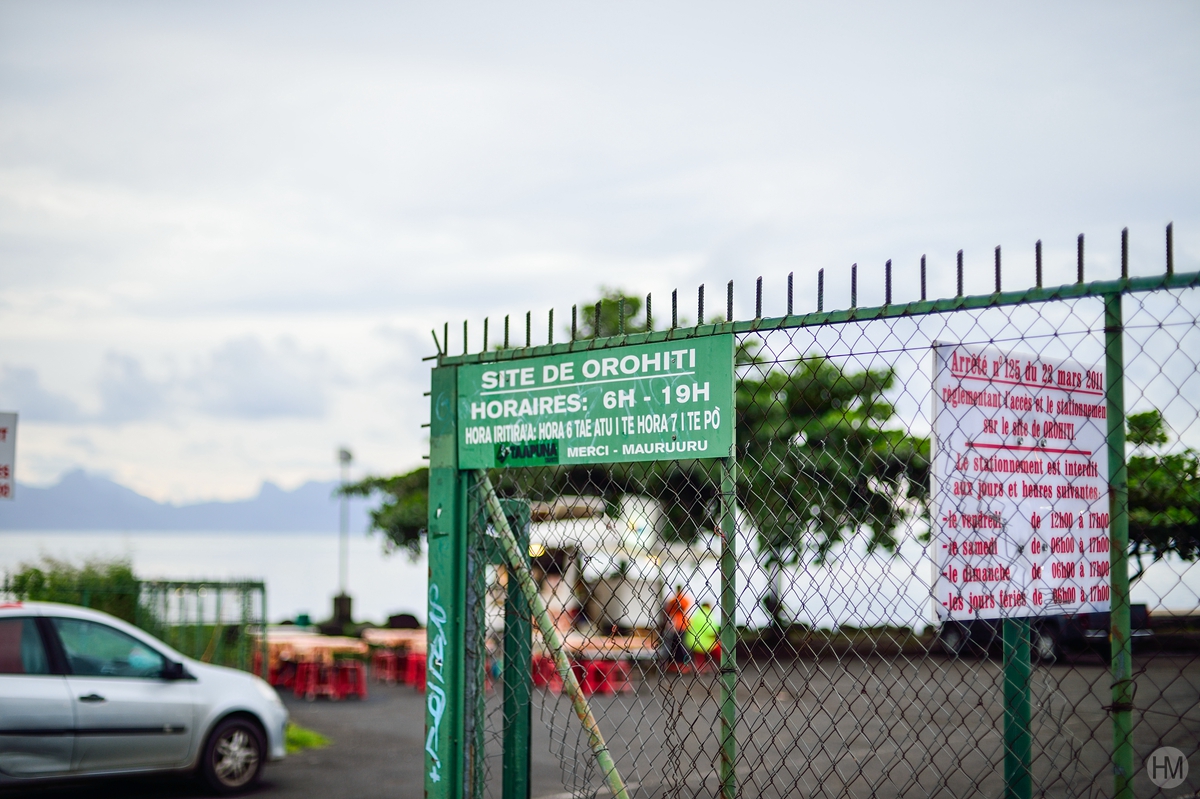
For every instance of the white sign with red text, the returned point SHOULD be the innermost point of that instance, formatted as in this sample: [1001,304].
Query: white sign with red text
[8,455]
[1020,485]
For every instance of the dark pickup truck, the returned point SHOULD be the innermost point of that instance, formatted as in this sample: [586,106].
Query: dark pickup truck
[1049,636]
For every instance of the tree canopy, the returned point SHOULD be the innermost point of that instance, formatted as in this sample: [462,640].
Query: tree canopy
[1164,494]
[404,513]
[816,464]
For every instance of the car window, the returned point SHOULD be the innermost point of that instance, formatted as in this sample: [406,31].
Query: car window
[97,650]
[21,650]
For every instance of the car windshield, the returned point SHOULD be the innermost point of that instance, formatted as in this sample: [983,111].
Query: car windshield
[97,650]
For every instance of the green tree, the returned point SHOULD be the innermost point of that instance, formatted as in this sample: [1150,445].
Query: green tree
[108,586]
[610,315]
[1164,495]
[404,512]
[816,464]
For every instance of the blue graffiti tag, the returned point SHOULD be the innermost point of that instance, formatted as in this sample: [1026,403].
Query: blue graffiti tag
[435,700]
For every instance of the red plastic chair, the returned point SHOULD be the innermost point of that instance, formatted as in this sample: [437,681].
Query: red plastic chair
[312,680]
[349,679]
[385,666]
[414,670]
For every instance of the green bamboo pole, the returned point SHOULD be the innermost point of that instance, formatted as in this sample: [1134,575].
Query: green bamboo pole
[520,570]
[1118,496]
[728,628]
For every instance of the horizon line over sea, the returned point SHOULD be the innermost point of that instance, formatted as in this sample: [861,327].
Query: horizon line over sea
[299,568]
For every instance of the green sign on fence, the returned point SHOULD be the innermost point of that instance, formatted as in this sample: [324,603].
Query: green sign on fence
[668,400]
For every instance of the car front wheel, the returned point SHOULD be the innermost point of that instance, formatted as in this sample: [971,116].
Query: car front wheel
[233,756]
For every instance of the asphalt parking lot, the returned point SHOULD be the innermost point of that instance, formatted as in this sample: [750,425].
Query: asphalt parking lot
[861,727]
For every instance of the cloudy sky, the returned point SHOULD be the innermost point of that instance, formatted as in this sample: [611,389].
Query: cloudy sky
[227,228]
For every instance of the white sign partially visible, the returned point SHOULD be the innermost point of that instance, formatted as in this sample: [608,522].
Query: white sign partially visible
[1020,485]
[8,455]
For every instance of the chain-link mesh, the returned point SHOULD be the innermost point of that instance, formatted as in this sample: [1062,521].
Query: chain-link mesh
[849,681]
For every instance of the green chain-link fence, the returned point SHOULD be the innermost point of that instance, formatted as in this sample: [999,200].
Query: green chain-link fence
[897,582]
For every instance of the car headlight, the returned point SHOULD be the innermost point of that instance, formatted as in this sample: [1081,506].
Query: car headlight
[268,693]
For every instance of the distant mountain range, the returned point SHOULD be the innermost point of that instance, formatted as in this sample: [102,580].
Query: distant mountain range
[82,501]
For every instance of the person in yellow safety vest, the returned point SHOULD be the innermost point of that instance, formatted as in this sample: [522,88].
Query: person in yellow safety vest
[702,632]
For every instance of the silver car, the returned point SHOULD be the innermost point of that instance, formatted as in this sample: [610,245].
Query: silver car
[83,693]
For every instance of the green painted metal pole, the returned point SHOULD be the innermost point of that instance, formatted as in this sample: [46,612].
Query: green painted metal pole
[446,657]
[520,570]
[728,628]
[1118,497]
[518,668]
[475,619]
[1018,743]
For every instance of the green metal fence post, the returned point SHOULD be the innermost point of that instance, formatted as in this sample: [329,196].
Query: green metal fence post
[728,627]
[518,666]
[475,647]
[444,721]
[1118,495]
[1017,740]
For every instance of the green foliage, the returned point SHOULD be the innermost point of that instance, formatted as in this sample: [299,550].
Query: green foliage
[815,462]
[297,739]
[610,315]
[1164,495]
[405,510]
[108,586]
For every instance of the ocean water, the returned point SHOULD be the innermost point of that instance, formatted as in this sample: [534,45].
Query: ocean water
[300,569]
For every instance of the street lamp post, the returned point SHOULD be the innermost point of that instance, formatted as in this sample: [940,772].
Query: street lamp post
[342,612]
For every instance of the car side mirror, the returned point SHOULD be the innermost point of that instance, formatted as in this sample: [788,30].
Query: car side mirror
[174,671]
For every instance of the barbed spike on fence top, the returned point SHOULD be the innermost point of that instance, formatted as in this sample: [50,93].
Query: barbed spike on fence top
[485,335]
[887,282]
[960,274]
[791,276]
[528,328]
[1170,248]
[854,285]
[674,308]
[465,341]
[997,268]
[649,315]
[506,331]
[596,323]
[757,299]
[700,305]
[550,328]
[1079,259]
[574,321]
[1125,253]
[922,278]
[820,290]
[1037,254]
[729,303]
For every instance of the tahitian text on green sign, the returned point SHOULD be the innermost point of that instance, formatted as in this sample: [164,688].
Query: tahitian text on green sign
[662,401]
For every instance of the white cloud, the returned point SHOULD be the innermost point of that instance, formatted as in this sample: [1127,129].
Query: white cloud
[209,212]
[245,379]
[21,389]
